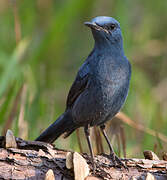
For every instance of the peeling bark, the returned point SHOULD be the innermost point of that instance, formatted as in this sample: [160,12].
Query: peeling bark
[38,160]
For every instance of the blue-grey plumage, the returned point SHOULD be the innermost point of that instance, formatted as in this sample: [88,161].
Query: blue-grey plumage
[107,72]
[101,85]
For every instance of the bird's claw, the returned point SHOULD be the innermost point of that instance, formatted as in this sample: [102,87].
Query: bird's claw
[117,162]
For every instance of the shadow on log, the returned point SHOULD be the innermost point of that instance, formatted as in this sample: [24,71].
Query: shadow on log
[38,160]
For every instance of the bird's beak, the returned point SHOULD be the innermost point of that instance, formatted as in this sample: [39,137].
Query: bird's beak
[91,25]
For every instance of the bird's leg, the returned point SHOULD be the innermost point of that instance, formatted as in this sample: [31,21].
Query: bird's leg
[87,134]
[114,158]
[112,154]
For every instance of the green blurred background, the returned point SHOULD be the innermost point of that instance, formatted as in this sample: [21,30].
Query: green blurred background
[42,45]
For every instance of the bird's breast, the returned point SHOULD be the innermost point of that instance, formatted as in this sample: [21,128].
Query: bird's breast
[111,78]
[111,73]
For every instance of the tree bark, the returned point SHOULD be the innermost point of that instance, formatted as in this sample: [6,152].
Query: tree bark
[38,160]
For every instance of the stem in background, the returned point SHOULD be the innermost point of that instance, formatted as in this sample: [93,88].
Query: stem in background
[79,140]
[17,26]
[22,124]
[119,144]
[98,140]
[123,140]
[12,114]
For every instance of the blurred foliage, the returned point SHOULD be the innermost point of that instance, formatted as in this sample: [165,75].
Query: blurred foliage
[42,45]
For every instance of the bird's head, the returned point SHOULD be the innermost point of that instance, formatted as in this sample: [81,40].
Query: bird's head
[106,30]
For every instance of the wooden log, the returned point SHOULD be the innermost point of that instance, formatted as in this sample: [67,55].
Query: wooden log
[38,160]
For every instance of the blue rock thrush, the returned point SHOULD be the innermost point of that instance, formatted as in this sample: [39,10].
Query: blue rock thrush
[100,88]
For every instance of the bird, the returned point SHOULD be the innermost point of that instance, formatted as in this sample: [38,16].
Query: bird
[100,88]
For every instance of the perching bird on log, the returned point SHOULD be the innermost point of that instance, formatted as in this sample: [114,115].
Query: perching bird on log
[100,88]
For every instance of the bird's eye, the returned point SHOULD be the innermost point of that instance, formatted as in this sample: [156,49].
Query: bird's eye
[112,26]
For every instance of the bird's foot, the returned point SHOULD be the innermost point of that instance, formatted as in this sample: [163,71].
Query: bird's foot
[117,161]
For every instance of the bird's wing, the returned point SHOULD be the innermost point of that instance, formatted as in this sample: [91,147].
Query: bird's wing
[78,85]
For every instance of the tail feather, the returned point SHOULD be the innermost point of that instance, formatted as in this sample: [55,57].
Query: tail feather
[63,124]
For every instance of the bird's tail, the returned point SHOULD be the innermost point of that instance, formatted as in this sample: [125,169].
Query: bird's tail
[63,124]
